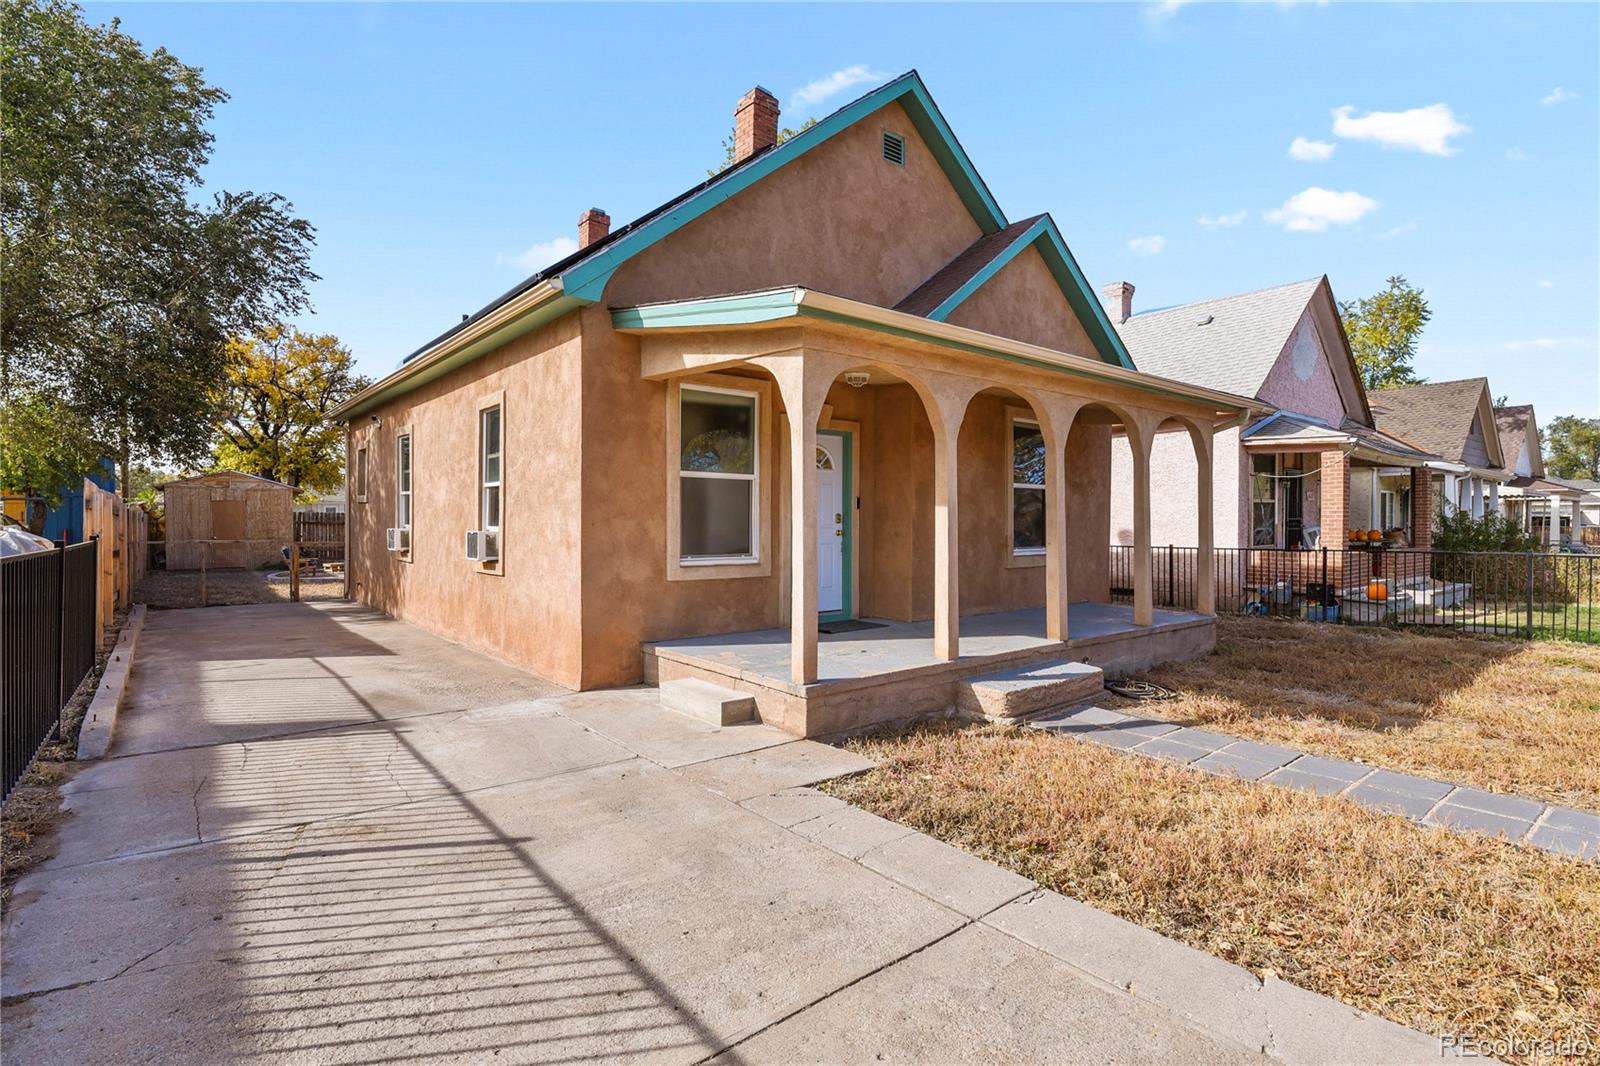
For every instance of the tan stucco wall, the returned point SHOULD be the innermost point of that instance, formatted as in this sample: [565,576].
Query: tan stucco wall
[1024,301]
[838,219]
[528,612]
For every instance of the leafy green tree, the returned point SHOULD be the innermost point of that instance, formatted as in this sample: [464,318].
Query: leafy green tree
[118,285]
[1383,331]
[272,412]
[45,449]
[1572,447]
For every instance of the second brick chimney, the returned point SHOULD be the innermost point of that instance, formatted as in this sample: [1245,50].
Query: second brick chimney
[593,225]
[1118,300]
[755,123]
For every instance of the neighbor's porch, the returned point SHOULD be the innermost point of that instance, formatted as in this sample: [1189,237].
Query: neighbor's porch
[875,670]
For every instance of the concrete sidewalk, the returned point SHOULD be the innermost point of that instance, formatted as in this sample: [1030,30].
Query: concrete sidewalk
[325,836]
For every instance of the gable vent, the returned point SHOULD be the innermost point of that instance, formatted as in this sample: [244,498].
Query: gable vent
[894,148]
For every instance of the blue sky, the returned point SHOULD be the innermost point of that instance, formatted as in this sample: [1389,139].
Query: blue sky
[1193,149]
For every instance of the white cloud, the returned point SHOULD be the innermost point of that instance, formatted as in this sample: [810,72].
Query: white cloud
[1310,151]
[1421,129]
[1546,283]
[1558,95]
[538,256]
[1222,221]
[1163,10]
[1316,208]
[1151,245]
[1547,344]
[1514,153]
[825,88]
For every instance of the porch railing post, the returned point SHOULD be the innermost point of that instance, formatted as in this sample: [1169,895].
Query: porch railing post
[1530,596]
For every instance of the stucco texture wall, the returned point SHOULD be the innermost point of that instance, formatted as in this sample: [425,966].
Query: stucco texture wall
[838,219]
[1174,490]
[1301,380]
[527,608]
[1024,301]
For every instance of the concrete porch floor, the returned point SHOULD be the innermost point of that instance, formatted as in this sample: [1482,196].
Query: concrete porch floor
[890,673]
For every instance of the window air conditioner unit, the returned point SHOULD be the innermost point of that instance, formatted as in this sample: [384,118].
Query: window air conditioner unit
[399,540]
[483,545]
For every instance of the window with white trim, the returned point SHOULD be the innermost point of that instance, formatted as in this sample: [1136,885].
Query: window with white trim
[402,478]
[489,463]
[718,468]
[1388,513]
[1027,488]
[1263,501]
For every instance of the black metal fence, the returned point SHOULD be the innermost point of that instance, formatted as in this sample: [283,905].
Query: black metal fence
[47,645]
[1534,595]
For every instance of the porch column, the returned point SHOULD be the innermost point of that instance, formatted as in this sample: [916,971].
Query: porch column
[1205,588]
[1494,497]
[1552,529]
[1475,486]
[945,397]
[1055,423]
[1140,439]
[803,381]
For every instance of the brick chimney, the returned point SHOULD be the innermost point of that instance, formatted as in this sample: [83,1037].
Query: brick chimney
[593,225]
[755,123]
[1118,300]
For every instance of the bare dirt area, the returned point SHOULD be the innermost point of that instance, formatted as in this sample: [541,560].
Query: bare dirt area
[1507,716]
[167,589]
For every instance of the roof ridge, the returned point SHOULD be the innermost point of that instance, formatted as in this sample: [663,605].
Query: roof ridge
[1230,296]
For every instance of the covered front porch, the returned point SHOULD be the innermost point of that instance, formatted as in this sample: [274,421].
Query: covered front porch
[876,670]
[945,490]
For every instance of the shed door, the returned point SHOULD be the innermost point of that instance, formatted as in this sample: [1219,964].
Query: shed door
[227,519]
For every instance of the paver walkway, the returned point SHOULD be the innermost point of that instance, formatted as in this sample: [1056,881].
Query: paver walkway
[1423,800]
[327,837]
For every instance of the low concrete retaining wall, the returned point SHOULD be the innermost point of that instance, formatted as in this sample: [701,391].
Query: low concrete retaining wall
[94,737]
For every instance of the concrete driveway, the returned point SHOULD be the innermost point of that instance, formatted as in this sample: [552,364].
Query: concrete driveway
[325,836]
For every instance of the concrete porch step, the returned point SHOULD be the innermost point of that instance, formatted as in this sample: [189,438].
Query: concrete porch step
[706,702]
[1025,690]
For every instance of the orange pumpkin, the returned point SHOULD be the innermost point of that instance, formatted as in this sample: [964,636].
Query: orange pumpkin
[1374,535]
[1353,536]
[1377,590]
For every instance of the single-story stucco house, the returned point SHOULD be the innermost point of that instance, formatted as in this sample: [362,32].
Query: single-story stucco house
[1307,469]
[828,429]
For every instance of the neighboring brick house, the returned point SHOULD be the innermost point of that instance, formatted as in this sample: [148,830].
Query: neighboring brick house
[1303,473]
[833,383]
[1456,421]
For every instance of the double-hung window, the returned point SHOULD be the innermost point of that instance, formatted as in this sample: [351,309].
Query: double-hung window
[402,477]
[1264,501]
[1388,513]
[718,467]
[1027,488]
[489,462]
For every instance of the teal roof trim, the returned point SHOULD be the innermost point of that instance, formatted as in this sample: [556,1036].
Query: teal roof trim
[739,310]
[993,267]
[587,279]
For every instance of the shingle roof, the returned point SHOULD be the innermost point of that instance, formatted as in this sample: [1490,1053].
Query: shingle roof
[1436,416]
[960,270]
[1290,428]
[1234,350]
[1514,423]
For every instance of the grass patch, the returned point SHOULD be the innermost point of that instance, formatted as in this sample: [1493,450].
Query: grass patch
[1505,716]
[1446,933]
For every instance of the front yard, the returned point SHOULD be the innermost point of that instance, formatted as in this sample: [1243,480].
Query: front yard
[1446,933]
[1502,715]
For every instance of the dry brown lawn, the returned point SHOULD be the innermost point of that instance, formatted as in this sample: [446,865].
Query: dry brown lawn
[225,588]
[1446,933]
[1502,715]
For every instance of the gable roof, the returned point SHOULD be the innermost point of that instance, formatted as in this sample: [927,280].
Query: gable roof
[225,474]
[1518,427]
[1232,342]
[1438,416]
[1286,428]
[983,257]
[580,279]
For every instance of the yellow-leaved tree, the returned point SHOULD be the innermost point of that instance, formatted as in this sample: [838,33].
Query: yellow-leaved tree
[272,414]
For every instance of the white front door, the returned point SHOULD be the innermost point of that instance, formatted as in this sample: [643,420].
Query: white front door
[830,523]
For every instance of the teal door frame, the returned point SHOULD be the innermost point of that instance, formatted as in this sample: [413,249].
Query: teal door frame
[847,500]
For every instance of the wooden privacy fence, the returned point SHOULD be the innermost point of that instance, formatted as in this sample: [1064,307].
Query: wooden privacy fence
[123,533]
[325,531]
[48,636]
